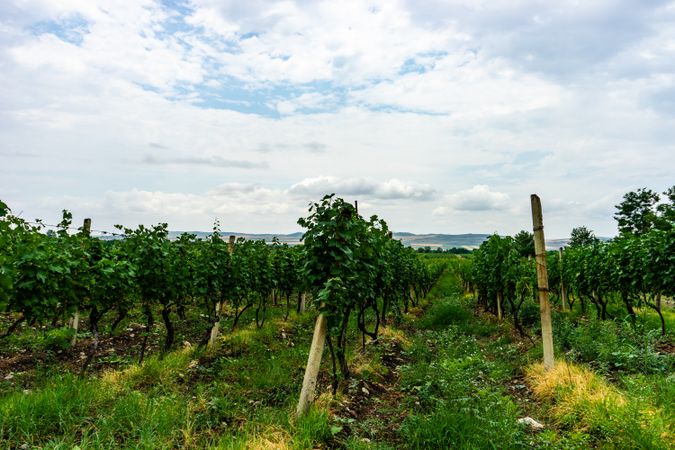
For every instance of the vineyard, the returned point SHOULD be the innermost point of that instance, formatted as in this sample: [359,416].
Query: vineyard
[147,342]
[630,272]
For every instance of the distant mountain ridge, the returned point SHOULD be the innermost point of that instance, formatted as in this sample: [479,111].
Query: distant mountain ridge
[433,240]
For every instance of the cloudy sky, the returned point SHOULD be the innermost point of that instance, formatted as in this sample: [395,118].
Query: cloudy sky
[439,116]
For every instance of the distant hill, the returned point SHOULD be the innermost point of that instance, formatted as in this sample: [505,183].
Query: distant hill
[445,241]
[290,239]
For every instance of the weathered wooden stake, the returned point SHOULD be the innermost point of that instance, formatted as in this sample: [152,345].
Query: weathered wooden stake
[86,227]
[75,320]
[313,365]
[542,281]
[303,302]
[500,300]
[563,288]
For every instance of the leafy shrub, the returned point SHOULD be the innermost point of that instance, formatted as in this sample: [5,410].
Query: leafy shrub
[529,314]
[57,339]
[441,315]
[612,346]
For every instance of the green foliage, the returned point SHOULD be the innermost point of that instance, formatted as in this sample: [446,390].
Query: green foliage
[312,428]
[582,236]
[443,314]
[636,213]
[484,419]
[350,263]
[631,269]
[57,340]
[455,395]
[524,243]
[611,346]
[666,211]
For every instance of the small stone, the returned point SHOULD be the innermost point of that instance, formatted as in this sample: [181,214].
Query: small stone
[9,376]
[530,422]
[365,391]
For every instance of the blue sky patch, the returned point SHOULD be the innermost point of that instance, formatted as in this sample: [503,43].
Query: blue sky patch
[71,29]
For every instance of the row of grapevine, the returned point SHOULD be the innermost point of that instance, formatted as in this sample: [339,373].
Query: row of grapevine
[49,277]
[353,266]
[630,270]
[500,272]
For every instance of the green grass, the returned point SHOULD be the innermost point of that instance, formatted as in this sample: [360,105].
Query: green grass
[454,385]
[241,395]
[612,346]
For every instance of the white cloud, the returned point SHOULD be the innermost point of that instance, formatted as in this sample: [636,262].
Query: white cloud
[465,86]
[254,96]
[390,189]
[308,101]
[125,40]
[212,161]
[478,198]
[347,42]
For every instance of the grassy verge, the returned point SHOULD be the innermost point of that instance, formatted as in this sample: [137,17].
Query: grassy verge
[241,396]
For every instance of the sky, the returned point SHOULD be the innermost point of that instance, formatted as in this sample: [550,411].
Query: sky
[438,116]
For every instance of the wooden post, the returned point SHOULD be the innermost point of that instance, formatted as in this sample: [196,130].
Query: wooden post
[356,206]
[563,288]
[75,320]
[542,281]
[230,244]
[215,329]
[313,366]
[500,300]
[303,302]
[86,227]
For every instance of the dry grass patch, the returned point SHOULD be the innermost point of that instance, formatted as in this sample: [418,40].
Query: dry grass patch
[568,385]
[585,402]
[395,335]
[270,438]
